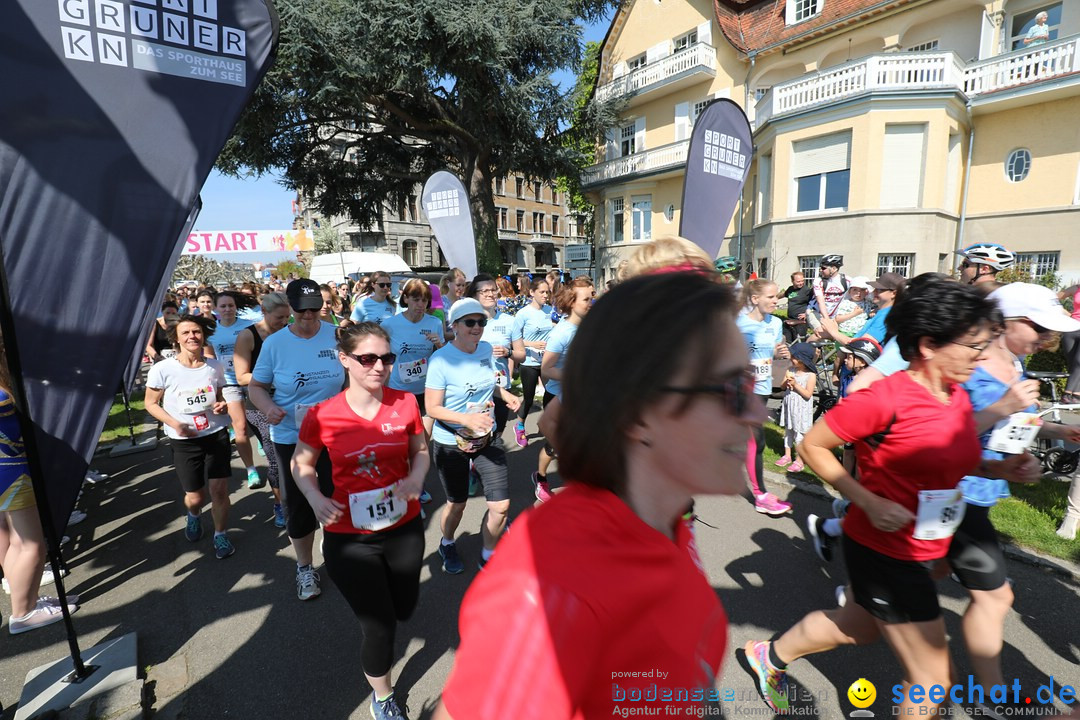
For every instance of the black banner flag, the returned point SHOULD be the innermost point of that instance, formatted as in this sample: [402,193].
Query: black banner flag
[114,112]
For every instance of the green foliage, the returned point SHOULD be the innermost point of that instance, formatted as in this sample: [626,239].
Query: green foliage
[328,240]
[586,116]
[285,268]
[1021,272]
[369,97]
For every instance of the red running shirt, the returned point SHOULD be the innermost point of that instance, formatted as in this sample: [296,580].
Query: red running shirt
[584,604]
[925,446]
[365,454]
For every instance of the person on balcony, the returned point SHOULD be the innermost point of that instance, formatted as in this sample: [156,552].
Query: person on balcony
[1039,32]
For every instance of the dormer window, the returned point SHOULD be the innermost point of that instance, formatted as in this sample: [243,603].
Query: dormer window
[800,10]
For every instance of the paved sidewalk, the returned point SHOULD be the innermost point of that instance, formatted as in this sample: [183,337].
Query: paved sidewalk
[229,639]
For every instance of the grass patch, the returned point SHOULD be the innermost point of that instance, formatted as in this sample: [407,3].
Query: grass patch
[116,425]
[774,450]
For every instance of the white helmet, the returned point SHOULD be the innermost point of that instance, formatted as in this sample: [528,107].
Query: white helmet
[990,254]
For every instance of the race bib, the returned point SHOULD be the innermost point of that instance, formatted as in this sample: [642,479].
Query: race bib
[377,509]
[1015,436]
[193,402]
[939,514]
[167,354]
[501,380]
[413,372]
[534,354]
[762,368]
[300,411]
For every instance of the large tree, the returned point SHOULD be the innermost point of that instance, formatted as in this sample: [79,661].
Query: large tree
[368,97]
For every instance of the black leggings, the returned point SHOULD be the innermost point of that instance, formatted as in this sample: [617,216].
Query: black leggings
[501,414]
[300,520]
[379,575]
[530,376]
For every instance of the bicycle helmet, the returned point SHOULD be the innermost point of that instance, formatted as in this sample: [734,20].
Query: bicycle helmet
[990,254]
[726,264]
[834,260]
[865,348]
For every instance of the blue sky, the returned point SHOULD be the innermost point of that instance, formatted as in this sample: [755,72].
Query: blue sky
[263,204]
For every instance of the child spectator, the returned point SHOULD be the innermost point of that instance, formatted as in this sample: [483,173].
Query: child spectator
[797,411]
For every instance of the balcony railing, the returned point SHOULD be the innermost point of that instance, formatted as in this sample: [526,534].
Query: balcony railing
[919,71]
[699,57]
[658,159]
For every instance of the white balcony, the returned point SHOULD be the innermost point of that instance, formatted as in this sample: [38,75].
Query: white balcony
[671,73]
[906,72]
[507,234]
[542,237]
[646,162]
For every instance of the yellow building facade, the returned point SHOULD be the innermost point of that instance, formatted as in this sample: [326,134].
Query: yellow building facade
[889,132]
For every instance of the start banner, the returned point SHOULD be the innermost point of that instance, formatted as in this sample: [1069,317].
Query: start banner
[205,242]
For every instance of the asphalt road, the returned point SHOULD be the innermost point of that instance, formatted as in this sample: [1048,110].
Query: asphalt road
[238,644]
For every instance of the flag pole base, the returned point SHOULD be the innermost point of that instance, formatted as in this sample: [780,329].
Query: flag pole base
[111,685]
[126,447]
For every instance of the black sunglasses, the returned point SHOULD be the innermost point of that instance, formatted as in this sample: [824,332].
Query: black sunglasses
[383,285]
[734,392]
[470,323]
[369,359]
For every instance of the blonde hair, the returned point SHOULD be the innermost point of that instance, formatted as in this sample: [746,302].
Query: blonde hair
[668,252]
[754,287]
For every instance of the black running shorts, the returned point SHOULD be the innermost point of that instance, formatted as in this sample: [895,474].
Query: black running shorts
[199,458]
[975,554]
[894,591]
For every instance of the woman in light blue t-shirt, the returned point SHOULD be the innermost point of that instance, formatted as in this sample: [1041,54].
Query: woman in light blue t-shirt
[498,333]
[377,306]
[532,325]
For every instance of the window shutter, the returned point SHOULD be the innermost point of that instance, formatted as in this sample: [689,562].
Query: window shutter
[619,70]
[639,134]
[682,120]
[612,145]
[704,32]
[821,154]
[658,51]
[901,167]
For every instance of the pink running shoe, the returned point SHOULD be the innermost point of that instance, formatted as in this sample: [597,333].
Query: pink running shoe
[769,504]
[543,490]
[519,435]
[795,467]
[783,462]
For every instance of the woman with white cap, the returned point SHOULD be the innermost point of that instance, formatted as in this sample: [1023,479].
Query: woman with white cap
[459,394]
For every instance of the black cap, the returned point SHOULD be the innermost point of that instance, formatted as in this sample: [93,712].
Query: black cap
[304,294]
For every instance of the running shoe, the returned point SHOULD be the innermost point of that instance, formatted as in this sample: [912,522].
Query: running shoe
[279,515]
[451,561]
[193,531]
[783,462]
[840,508]
[519,435]
[39,617]
[232,435]
[259,447]
[307,583]
[542,489]
[425,497]
[72,601]
[76,517]
[386,709]
[769,504]
[254,480]
[772,683]
[796,466]
[822,542]
[94,477]
[222,547]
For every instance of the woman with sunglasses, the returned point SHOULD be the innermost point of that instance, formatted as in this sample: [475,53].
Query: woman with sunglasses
[915,439]
[460,395]
[532,325]
[275,315]
[373,537]
[377,306]
[497,333]
[763,333]
[301,367]
[583,578]
[414,336]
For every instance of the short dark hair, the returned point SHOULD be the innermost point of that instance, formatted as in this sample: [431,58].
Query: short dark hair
[941,310]
[604,395]
[470,290]
[169,304]
[208,328]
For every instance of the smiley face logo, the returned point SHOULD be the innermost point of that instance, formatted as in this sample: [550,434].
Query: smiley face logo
[862,693]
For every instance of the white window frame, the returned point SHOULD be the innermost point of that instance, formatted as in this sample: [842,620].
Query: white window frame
[808,266]
[618,220]
[1040,263]
[802,10]
[928,46]
[628,139]
[641,218]
[410,252]
[1016,36]
[504,217]
[1010,161]
[638,61]
[899,263]
[684,42]
[697,108]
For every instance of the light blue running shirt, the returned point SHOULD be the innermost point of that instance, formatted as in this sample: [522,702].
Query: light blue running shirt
[559,342]
[303,373]
[371,310]
[532,325]
[891,361]
[413,350]
[468,382]
[761,338]
[499,332]
[224,342]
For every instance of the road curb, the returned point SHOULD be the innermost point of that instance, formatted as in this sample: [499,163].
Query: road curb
[1057,566]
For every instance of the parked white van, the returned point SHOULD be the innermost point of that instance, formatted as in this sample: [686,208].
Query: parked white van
[339,265]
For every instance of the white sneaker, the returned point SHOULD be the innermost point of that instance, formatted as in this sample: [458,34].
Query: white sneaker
[307,583]
[94,477]
[40,616]
[72,601]
[77,516]
[47,578]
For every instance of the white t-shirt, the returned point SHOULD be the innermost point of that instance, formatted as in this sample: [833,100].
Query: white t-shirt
[833,293]
[189,395]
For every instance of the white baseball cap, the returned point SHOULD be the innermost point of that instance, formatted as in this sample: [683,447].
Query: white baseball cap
[859,282]
[1038,304]
[466,306]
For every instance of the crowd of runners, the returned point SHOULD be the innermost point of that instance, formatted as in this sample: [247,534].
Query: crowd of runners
[352,392]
